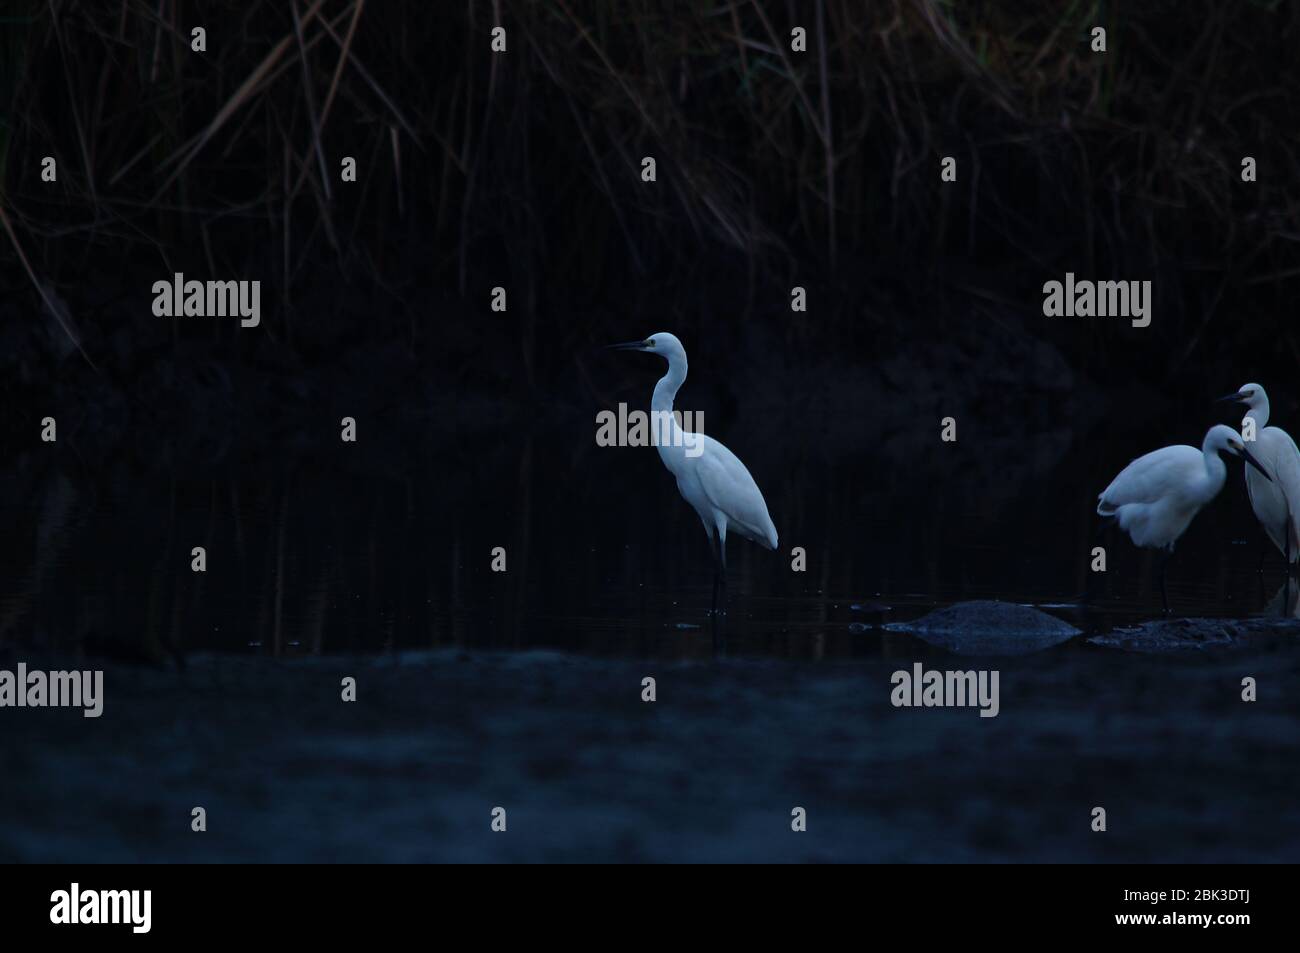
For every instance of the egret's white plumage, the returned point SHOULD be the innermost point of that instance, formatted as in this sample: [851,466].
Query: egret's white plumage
[709,476]
[1156,496]
[1276,503]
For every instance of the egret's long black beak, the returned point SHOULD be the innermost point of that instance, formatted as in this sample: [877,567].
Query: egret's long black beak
[1230,397]
[628,346]
[1255,463]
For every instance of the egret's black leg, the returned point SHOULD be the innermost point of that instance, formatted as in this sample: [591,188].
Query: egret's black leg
[713,551]
[722,562]
[1105,523]
[1286,585]
[718,618]
[1164,595]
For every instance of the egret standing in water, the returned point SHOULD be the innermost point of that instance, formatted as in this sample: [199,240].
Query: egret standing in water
[1156,496]
[1276,502]
[709,476]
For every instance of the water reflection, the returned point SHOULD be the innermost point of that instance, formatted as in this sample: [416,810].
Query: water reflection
[349,552]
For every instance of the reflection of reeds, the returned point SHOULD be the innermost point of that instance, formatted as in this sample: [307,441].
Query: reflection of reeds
[57,500]
[765,155]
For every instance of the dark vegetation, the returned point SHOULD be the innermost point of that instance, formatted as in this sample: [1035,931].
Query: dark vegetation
[775,168]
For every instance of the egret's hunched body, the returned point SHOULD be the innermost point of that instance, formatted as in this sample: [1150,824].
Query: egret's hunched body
[1156,496]
[709,476]
[1277,502]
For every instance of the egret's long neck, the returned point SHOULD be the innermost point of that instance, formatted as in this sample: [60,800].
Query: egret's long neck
[670,444]
[669,384]
[1260,413]
[1216,472]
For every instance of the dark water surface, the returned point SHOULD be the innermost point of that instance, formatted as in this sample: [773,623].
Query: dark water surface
[367,548]
[376,557]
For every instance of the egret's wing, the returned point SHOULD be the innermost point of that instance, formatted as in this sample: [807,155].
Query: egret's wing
[1271,448]
[730,488]
[1286,477]
[1269,503]
[1154,476]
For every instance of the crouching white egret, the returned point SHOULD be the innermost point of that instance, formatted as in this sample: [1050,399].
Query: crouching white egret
[1156,496]
[709,476]
[1276,502]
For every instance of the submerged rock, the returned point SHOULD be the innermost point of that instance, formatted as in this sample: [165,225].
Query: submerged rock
[1198,635]
[987,627]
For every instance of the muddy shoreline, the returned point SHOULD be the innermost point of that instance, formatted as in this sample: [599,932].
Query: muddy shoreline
[710,771]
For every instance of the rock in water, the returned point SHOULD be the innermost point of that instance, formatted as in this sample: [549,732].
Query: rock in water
[1165,636]
[987,627]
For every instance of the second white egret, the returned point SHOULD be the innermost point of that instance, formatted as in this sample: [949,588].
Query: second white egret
[1156,496]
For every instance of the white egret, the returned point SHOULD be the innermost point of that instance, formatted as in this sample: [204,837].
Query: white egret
[709,476]
[1276,502]
[1156,496]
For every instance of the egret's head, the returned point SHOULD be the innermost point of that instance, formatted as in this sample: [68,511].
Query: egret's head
[1223,439]
[662,343]
[1252,395]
